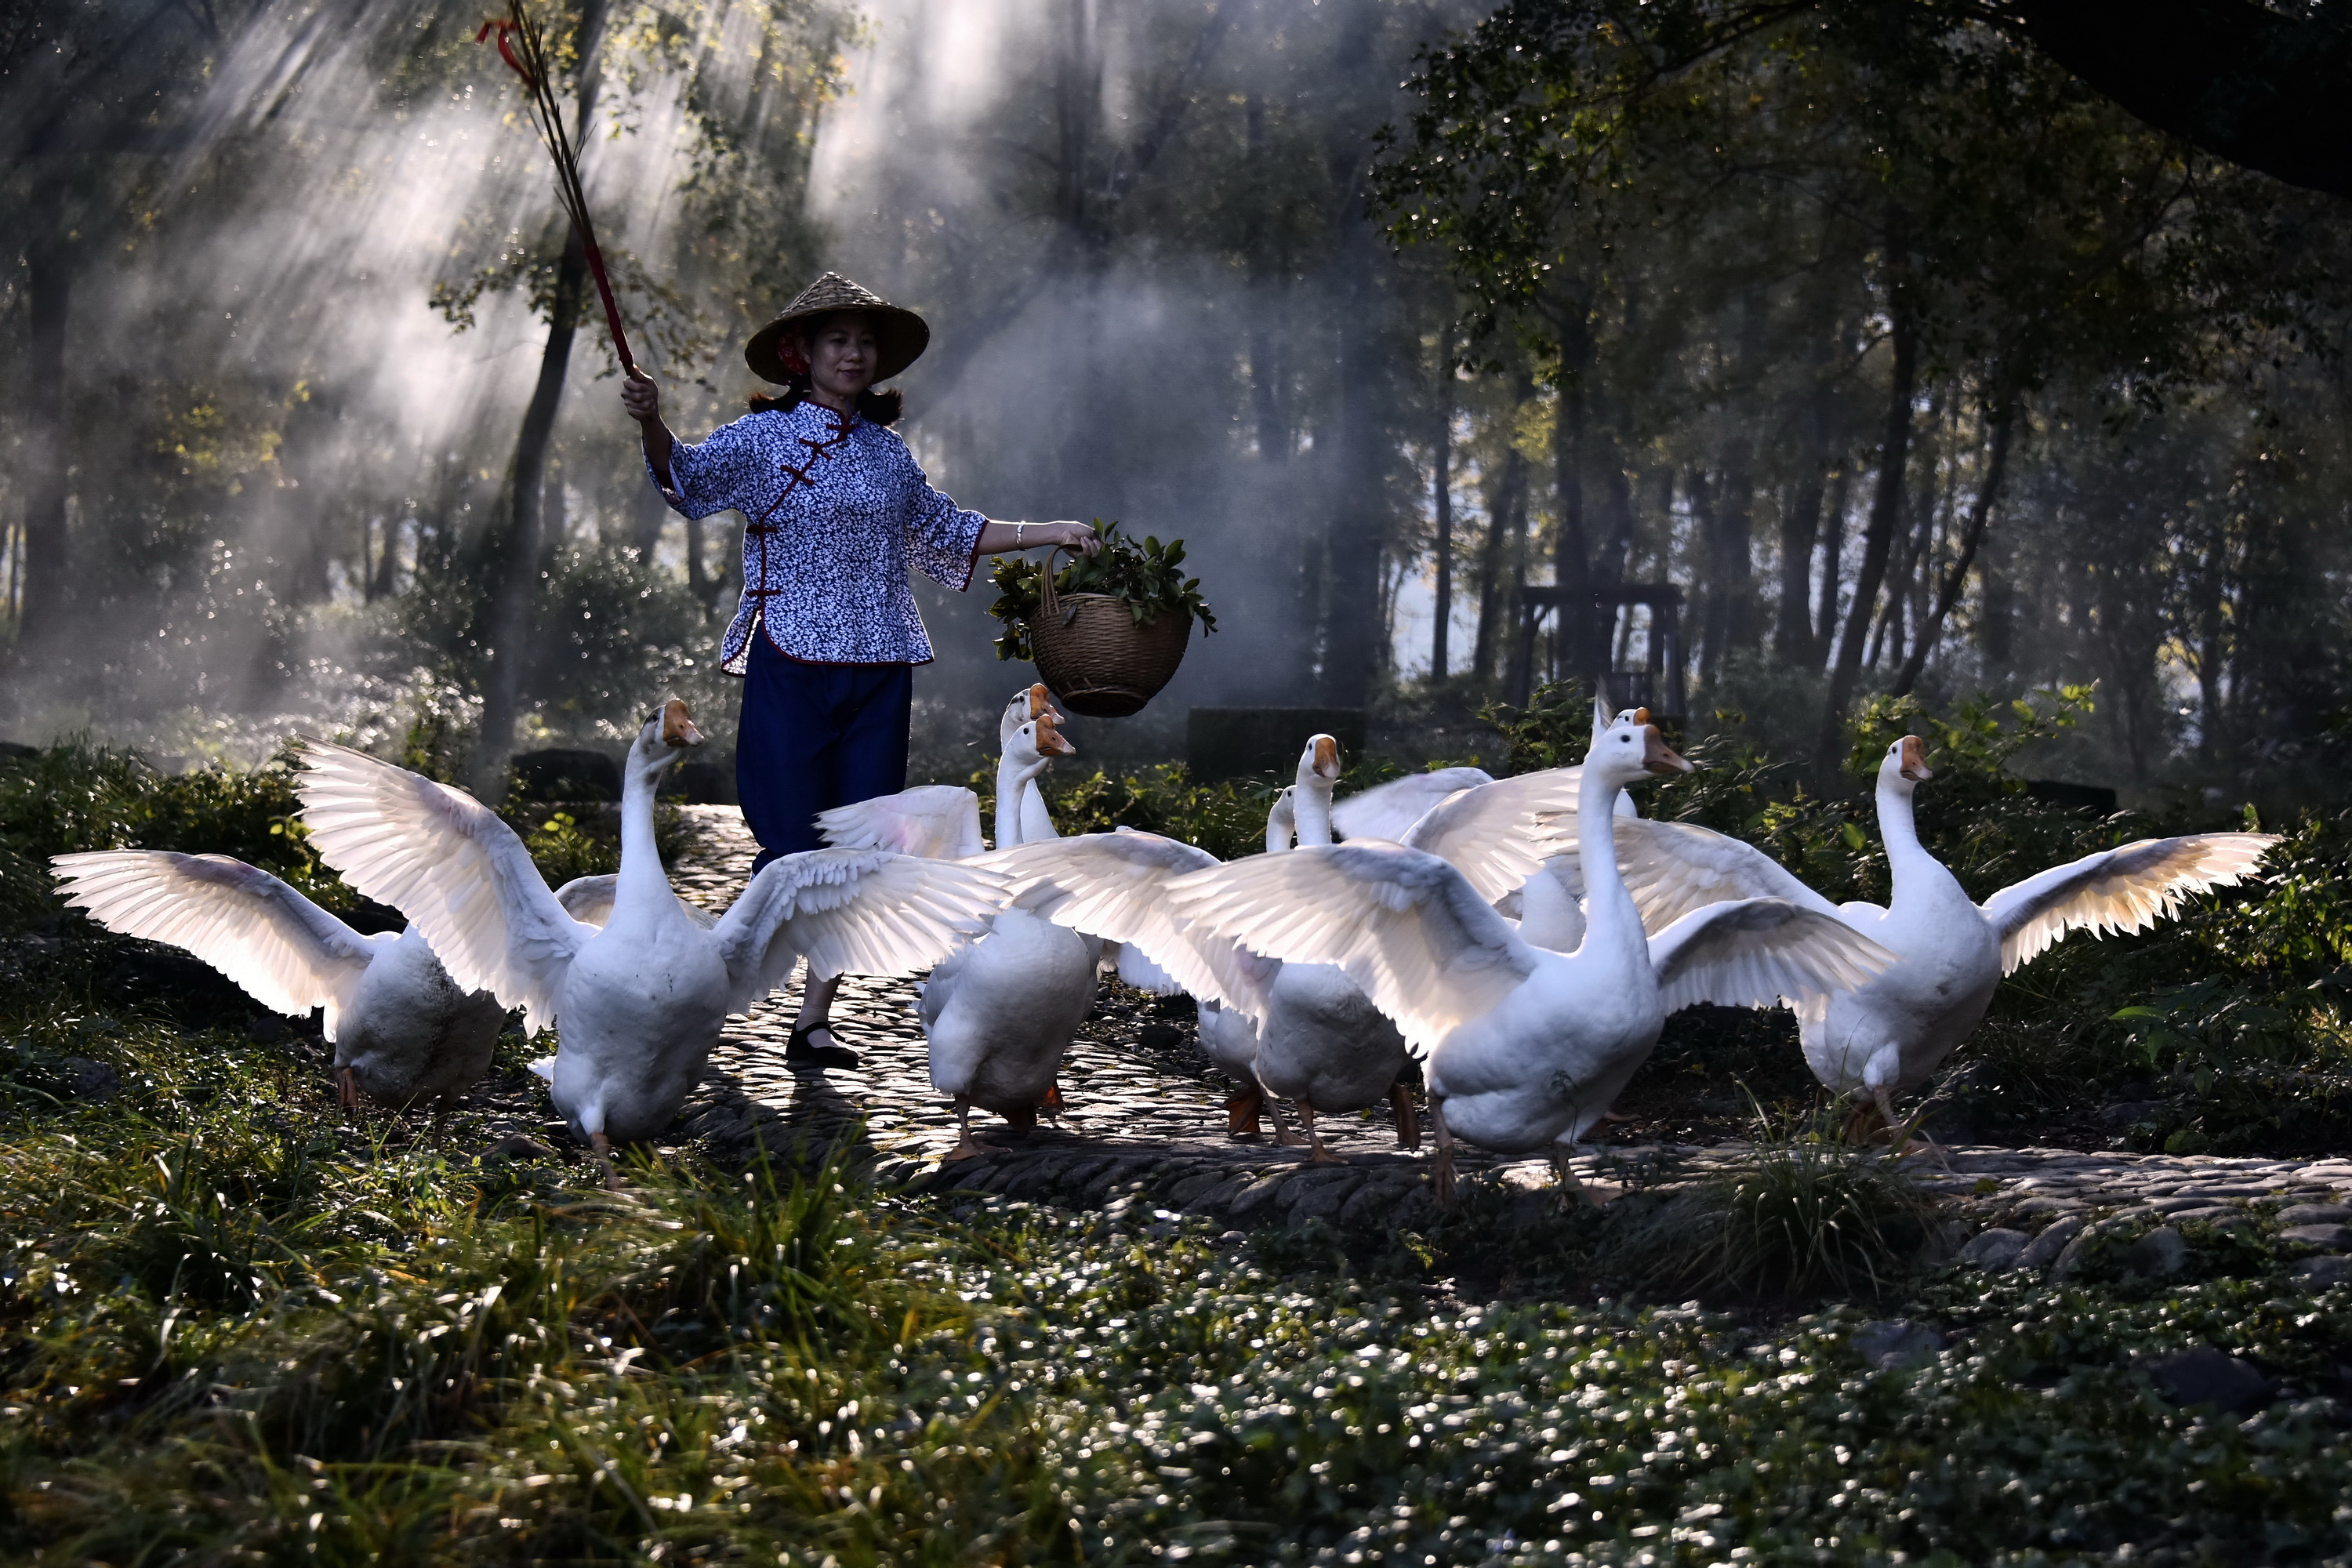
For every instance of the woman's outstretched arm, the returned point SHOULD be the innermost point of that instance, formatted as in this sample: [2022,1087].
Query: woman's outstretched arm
[641,399]
[998,538]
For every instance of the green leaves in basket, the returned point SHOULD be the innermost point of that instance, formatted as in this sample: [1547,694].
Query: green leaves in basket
[1148,576]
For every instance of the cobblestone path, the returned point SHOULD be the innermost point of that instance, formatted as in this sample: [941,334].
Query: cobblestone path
[1146,1117]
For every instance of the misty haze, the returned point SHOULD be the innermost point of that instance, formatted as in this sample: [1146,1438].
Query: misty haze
[852,781]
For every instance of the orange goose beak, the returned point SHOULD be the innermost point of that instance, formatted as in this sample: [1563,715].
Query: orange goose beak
[677,725]
[1656,756]
[1915,760]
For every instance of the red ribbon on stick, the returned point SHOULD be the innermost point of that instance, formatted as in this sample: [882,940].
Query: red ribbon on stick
[516,28]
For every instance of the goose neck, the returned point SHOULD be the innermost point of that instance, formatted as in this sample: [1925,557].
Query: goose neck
[1013,778]
[641,866]
[1609,913]
[1907,859]
[1281,820]
[1311,806]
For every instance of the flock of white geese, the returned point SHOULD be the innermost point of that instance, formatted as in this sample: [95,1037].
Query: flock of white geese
[1522,939]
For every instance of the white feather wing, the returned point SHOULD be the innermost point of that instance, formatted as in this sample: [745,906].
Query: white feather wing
[2116,891]
[1405,926]
[1389,810]
[1674,868]
[1496,835]
[940,822]
[1115,886]
[1753,952]
[445,860]
[287,952]
[851,912]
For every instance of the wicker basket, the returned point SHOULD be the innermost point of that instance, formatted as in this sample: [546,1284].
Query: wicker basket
[1094,658]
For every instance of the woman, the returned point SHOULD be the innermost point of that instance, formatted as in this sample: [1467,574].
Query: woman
[827,636]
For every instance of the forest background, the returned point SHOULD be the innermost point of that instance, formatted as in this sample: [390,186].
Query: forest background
[1916,362]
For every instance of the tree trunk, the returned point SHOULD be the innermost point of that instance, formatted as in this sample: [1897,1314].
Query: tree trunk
[1351,653]
[1832,562]
[48,591]
[1801,518]
[1609,562]
[1506,515]
[514,571]
[387,565]
[1730,536]
[1885,513]
[1996,468]
[1571,559]
[1914,555]
[1442,503]
[1801,526]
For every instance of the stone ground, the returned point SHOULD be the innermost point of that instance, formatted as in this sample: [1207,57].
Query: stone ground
[1146,1121]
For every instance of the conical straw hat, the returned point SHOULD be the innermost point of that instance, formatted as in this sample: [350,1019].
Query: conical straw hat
[899,333]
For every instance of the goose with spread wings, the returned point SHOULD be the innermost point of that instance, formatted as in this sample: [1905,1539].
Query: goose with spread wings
[404,1032]
[1886,1038]
[639,1003]
[1525,1047]
[999,1015]
[1319,1039]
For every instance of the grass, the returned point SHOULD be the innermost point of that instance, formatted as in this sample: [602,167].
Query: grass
[232,1328]
[1806,1214]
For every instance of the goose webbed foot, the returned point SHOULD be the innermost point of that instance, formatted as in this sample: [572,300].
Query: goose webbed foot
[1241,1114]
[1285,1134]
[1321,1155]
[1054,1105]
[1407,1117]
[601,1147]
[1570,1194]
[1862,1121]
[967,1146]
[1908,1139]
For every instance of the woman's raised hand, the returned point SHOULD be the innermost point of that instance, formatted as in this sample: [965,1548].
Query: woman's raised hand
[1077,536]
[641,398]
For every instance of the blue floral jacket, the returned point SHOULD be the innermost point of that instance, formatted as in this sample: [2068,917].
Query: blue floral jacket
[838,509]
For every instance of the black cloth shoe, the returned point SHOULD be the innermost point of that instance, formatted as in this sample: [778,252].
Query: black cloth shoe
[802,1053]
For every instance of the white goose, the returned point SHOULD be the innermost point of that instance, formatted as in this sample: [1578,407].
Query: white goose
[1320,1042]
[941,822]
[1031,703]
[641,1002]
[1884,1039]
[1492,832]
[1000,1015]
[1525,1047]
[403,1030]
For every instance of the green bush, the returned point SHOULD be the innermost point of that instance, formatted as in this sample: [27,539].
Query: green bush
[75,797]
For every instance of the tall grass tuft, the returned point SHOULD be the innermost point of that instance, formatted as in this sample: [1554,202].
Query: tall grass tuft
[1802,1213]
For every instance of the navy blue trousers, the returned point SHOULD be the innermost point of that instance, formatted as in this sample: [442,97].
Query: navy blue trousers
[815,736]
